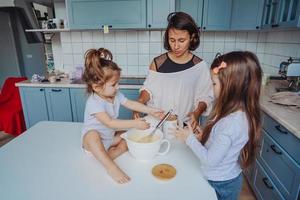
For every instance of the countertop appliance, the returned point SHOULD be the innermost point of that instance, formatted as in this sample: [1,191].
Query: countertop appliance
[290,70]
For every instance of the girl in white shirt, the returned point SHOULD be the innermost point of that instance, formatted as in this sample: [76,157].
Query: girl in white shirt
[229,140]
[102,109]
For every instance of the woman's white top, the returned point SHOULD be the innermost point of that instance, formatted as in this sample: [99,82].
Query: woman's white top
[219,157]
[95,104]
[180,91]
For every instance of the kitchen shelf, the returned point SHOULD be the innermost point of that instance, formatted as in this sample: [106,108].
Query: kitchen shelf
[47,30]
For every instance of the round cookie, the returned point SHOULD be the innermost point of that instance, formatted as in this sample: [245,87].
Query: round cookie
[164,171]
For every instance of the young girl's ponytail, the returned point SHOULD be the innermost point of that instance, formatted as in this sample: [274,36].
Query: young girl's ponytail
[96,61]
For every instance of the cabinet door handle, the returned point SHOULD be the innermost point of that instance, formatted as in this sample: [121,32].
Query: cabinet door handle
[56,90]
[280,130]
[41,89]
[109,26]
[274,25]
[267,183]
[273,147]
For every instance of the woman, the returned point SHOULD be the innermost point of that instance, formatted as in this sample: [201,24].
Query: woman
[178,79]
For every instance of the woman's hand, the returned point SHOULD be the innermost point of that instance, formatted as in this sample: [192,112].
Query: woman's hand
[141,124]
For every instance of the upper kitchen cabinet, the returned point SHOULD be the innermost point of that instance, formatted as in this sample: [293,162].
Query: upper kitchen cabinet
[216,14]
[209,14]
[158,11]
[281,13]
[246,14]
[192,7]
[94,14]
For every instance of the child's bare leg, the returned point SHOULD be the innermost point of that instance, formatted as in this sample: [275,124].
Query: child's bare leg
[119,146]
[92,142]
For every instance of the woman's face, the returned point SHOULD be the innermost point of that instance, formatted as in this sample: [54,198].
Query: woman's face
[216,85]
[179,41]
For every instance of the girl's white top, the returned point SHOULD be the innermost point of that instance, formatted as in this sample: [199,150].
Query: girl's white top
[180,91]
[219,156]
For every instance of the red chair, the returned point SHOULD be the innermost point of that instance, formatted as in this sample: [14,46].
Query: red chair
[11,112]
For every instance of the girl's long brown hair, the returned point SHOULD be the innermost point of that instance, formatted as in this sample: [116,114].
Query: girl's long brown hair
[240,84]
[99,67]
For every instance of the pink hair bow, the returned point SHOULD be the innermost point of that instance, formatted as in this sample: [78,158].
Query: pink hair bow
[223,65]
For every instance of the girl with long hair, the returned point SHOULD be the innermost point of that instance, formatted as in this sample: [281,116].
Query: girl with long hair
[228,142]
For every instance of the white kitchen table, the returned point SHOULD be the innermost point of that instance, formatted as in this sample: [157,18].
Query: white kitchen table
[47,163]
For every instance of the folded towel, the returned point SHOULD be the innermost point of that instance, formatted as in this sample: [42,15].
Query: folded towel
[286,98]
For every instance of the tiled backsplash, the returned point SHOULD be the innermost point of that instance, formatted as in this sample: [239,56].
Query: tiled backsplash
[134,50]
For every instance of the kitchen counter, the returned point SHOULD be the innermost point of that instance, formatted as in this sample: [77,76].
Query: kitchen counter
[125,83]
[46,162]
[287,116]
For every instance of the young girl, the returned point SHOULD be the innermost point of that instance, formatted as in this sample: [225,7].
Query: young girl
[228,141]
[102,109]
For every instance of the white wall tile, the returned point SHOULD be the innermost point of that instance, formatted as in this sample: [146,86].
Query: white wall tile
[133,59]
[76,37]
[251,47]
[133,71]
[241,36]
[252,37]
[131,36]
[98,45]
[65,36]
[143,70]
[120,59]
[111,47]
[77,48]
[78,59]
[132,48]
[144,60]
[262,37]
[66,48]
[109,37]
[230,36]
[121,48]
[68,59]
[120,36]
[143,48]
[87,46]
[240,46]
[209,36]
[219,47]
[87,36]
[220,36]
[143,36]
[229,46]
[208,46]
[98,36]
[155,48]
[155,36]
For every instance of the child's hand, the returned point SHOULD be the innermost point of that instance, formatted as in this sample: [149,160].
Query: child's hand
[182,133]
[141,124]
[159,114]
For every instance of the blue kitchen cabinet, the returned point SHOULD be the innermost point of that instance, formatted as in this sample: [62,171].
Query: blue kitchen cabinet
[34,105]
[59,105]
[216,14]
[209,14]
[132,94]
[94,14]
[192,7]
[158,11]
[276,173]
[246,14]
[281,13]
[78,101]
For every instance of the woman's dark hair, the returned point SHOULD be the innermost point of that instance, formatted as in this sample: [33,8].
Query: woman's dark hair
[182,21]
